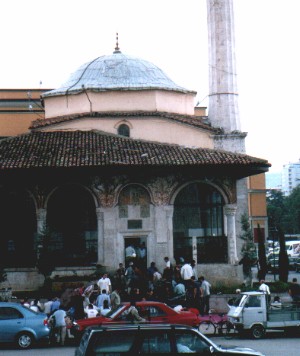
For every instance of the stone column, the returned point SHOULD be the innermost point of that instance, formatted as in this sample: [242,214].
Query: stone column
[230,211]
[100,226]
[41,220]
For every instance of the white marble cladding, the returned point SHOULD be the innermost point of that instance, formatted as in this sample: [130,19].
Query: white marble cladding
[223,96]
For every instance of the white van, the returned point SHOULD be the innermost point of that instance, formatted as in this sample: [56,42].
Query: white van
[292,248]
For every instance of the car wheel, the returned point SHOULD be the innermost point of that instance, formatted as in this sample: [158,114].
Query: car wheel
[258,331]
[207,328]
[25,340]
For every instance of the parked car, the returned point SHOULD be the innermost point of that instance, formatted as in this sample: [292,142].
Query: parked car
[153,312]
[22,325]
[152,339]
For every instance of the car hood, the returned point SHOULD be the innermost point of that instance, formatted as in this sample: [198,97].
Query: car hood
[238,349]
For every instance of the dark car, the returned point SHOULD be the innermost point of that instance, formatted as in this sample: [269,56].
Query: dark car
[163,339]
[22,325]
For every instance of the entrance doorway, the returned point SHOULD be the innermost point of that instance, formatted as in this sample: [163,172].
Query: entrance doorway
[136,251]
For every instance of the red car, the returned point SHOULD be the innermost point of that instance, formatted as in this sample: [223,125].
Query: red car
[153,312]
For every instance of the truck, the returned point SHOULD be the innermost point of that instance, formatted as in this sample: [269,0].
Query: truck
[254,313]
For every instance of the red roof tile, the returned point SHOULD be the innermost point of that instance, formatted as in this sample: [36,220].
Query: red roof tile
[95,148]
[195,121]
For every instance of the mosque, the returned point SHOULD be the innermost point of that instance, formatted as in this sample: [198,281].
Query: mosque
[120,158]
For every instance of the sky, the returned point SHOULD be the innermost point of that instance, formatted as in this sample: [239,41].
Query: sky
[43,42]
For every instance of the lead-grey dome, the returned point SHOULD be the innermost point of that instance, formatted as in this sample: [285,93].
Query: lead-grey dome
[117,72]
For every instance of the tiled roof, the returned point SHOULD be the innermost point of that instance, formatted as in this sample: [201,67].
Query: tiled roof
[195,121]
[67,149]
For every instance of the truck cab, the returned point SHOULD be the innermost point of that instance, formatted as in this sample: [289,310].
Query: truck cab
[251,311]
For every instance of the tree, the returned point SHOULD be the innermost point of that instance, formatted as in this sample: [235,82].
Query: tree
[283,258]
[262,260]
[276,209]
[292,205]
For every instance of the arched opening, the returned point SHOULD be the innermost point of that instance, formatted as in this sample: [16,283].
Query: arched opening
[124,130]
[198,212]
[17,229]
[72,222]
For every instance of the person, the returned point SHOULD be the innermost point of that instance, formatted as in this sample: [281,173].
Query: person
[101,298]
[129,275]
[294,291]
[276,304]
[247,263]
[55,305]
[115,299]
[186,273]
[47,307]
[119,276]
[91,311]
[142,254]
[133,313]
[76,304]
[36,306]
[104,283]
[205,293]
[60,325]
[130,253]
[105,308]
[265,289]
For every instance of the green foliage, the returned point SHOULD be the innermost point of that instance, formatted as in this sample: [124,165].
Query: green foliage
[284,212]
[248,248]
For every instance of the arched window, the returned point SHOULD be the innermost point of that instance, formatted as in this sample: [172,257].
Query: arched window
[71,218]
[17,228]
[124,130]
[198,212]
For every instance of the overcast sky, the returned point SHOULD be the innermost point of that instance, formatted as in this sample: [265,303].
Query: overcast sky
[45,41]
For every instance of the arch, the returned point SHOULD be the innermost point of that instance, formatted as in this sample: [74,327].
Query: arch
[199,213]
[134,194]
[72,221]
[124,130]
[18,227]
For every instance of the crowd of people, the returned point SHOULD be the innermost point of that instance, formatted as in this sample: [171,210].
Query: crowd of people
[174,285]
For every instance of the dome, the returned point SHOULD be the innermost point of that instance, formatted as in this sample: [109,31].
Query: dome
[117,72]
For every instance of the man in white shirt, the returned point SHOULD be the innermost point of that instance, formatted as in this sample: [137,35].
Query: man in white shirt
[104,283]
[186,272]
[60,325]
[265,289]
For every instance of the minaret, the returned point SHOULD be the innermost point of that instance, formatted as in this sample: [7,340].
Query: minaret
[223,109]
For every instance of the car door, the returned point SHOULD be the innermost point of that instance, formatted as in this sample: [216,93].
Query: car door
[11,322]
[154,341]
[154,314]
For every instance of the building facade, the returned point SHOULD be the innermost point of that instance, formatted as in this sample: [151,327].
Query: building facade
[121,158]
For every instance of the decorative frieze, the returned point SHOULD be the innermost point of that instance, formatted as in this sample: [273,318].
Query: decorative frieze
[162,189]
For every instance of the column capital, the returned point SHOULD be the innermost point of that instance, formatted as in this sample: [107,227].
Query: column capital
[230,209]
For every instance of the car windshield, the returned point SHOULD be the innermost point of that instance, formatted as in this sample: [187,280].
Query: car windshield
[114,312]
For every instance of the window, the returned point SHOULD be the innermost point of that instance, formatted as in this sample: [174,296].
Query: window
[124,130]
[189,342]
[198,211]
[253,302]
[119,342]
[7,313]
[156,342]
